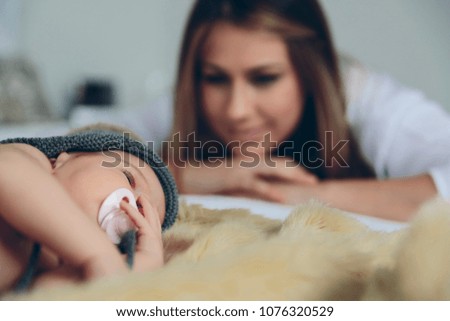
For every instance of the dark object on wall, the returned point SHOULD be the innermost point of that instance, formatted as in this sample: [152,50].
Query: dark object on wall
[21,95]
[96,93]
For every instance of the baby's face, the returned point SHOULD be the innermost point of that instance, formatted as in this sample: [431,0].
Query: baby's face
[91,177]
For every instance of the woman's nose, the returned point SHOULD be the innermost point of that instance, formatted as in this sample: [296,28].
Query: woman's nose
[239,102]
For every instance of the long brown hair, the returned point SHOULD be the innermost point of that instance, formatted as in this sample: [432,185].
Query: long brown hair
[303,27]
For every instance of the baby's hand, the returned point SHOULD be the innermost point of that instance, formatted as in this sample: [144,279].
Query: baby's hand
[149,245]
[103,266]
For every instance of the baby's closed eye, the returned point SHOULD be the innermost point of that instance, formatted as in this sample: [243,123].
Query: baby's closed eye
[130,178]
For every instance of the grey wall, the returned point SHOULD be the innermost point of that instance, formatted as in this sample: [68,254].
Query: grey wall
[135,43]
[409,39]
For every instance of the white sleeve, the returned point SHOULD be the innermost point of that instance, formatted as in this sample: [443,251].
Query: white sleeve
[400,132]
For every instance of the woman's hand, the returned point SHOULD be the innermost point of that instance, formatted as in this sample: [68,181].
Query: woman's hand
[243,177]
[295,193]
[149,246]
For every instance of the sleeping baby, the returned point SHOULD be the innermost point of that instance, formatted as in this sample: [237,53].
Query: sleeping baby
[66,203]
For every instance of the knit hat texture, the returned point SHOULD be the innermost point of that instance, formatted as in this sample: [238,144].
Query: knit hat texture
[103,140]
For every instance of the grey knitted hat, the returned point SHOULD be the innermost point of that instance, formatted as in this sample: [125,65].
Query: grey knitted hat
[103,140]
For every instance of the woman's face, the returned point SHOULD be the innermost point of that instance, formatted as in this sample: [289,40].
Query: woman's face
[248,86]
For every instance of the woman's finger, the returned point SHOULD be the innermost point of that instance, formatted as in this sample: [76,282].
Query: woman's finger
[257,187]
[266,191]
[285,171]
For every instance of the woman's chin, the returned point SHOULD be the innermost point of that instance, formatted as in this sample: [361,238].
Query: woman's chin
[252,149]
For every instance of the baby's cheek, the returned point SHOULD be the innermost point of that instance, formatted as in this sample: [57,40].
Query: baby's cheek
[161,209]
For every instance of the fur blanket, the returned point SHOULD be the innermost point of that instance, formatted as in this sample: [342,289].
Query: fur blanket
[317,253]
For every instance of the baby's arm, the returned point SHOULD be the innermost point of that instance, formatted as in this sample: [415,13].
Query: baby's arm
[149,248]
[33,202]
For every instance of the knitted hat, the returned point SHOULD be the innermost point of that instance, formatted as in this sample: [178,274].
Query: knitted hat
[104,140]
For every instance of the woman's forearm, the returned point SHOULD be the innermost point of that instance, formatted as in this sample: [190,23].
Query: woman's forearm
[395,199]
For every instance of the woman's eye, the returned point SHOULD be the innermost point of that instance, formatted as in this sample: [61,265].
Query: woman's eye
[214,79]
[130,178]
[264,80]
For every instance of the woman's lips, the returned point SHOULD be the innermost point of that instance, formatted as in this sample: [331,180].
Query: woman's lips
[252,134]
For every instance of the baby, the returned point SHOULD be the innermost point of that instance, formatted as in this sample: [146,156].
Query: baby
[66,200]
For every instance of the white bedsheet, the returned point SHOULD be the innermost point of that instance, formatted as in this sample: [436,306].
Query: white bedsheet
[38,129]
[278,211]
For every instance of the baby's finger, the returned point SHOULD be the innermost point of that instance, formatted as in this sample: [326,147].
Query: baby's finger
[135,216]
[149,237]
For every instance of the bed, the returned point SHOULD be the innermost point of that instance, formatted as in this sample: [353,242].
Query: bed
[279,211]
[232,248]
[219,249]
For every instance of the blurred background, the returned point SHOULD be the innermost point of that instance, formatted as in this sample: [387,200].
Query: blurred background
[58,54]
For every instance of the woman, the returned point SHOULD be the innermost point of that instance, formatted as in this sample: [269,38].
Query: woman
[261,110]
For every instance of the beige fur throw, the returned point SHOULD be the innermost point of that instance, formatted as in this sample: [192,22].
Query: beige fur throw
[317,253]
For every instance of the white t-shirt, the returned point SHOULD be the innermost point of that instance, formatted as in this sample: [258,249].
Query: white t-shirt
[400,132]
